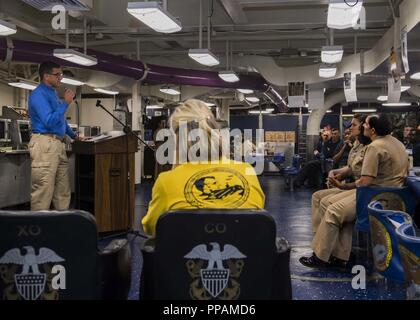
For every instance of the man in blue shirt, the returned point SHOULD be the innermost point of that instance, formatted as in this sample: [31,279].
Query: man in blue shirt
[50,177]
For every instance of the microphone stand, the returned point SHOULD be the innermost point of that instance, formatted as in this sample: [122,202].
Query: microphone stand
[127,130]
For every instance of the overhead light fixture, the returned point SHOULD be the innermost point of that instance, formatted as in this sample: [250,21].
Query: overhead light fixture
[347,115]
[72,81]
[364,110]
[405,88]
[332,54]
[113,93]
[72,5]
[75,57]
[382,98]
[154,16]
[22,83]
[326,71]
[171,91]
[397,104]
[266,111]
[252,99]
[154,106]
[208,104]
[6,28]
[246,91]
[204,57]
[329,111]
[343,14]
[415,76]
[228,76]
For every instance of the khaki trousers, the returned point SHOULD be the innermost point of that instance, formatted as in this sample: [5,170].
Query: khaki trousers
[50,173]
[335,230]
[315,207]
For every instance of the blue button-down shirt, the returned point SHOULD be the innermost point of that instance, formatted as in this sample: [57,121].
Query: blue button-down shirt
[47,112]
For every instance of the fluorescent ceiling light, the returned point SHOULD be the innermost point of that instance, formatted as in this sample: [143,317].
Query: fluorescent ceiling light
[48,5]
[106,91]
[75,57]
[72,81]
[332,54]
[347,115]
[405,88]
[228,76]
[154,16]
[415,76]
[329,111]
[364,110]
[246,91]
[262,111]
[397,104]
[171,91]
[6,28]
[327,71]
[204,57]
[343,14]
[382,98]
[155,106]
[208,104]
[252,99]
[23,84]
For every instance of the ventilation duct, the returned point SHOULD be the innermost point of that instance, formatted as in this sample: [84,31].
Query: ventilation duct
[27,51]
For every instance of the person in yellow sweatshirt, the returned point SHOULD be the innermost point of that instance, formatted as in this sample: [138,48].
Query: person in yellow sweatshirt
[213,183]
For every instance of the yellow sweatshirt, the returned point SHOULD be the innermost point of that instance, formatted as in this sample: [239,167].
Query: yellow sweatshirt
[214,185]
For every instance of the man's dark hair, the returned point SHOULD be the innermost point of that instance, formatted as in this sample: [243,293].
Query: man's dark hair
[46,68]
[381,123]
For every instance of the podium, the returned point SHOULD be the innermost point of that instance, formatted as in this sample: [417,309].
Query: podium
[103,165]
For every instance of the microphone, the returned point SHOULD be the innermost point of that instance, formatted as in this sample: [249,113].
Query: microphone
[74,97]
[98,103]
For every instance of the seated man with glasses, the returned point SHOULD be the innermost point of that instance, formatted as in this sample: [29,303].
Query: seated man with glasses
[49,163]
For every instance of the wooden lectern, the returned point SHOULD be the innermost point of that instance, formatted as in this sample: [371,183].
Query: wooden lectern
[101,179]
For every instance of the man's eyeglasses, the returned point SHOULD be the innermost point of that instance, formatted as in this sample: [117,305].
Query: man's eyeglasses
[58,75]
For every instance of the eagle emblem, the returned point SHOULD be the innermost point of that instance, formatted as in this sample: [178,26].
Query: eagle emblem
[215,276]
[30,282]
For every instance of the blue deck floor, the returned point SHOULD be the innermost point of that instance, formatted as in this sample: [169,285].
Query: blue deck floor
[291,211]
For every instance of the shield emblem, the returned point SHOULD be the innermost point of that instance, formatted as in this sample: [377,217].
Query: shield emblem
[214,280]
[30,286]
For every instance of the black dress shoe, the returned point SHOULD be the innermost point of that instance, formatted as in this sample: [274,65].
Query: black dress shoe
[338,264]
[314,262]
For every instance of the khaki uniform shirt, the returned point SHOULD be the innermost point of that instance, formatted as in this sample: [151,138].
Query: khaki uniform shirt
[355,160]
[386,161]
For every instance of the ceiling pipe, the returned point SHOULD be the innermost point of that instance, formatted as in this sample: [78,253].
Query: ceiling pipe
[34,52]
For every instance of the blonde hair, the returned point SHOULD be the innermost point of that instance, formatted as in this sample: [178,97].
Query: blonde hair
[196,115]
